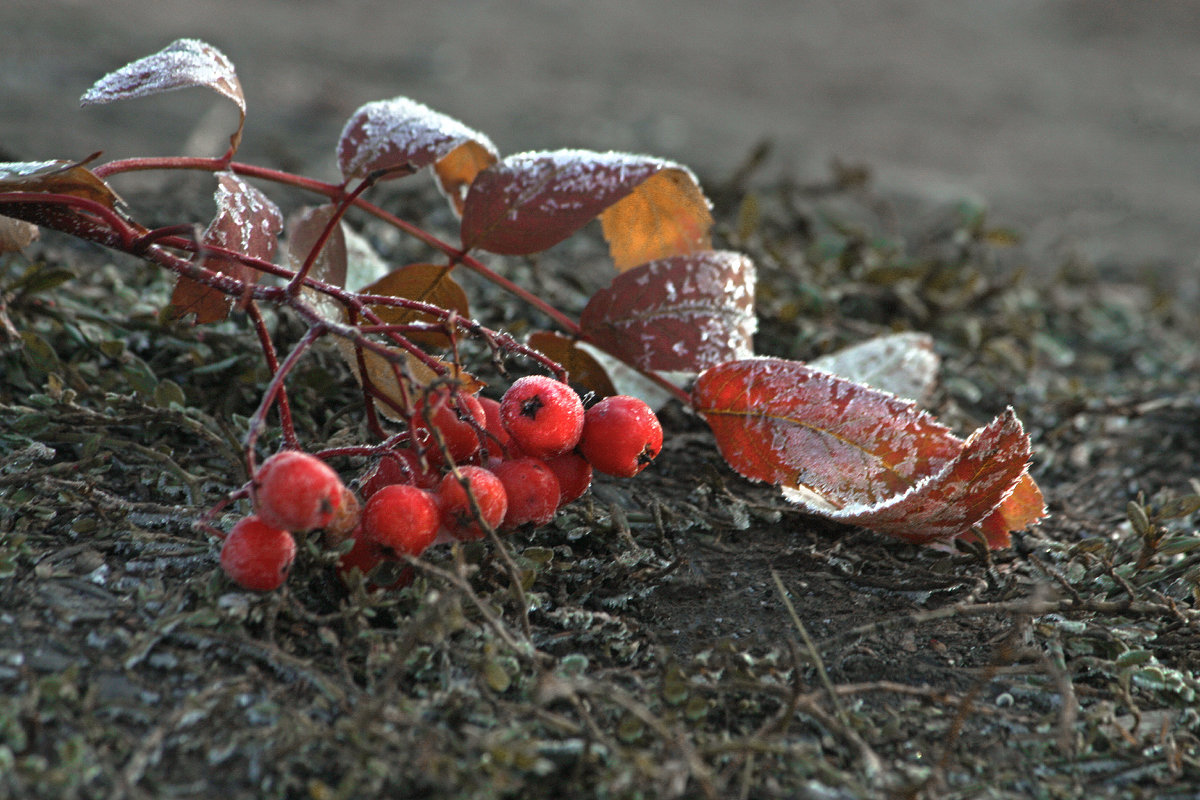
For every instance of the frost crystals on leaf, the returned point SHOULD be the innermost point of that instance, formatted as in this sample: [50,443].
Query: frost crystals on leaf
[685,313]
[179,65]
[858,455]
[528,202]
[402,134]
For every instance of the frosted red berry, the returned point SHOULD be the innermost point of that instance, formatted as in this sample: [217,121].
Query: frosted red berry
[402,518]
[398,466]
[499,442]
[457,416]
[574,475]
[621,436]
[296,491]
[532,491]
[366,556]
[543,416]
[257,556]
[455,506]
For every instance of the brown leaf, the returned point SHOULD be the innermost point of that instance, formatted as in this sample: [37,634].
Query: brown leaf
[402,134]
[685,313]
[15,234]
[246,222]
[69,178]
[858,455]
[181,64]
[428,283]
[580,366]
[529,202]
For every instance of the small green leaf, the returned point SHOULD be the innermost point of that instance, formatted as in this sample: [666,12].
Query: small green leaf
[495,676]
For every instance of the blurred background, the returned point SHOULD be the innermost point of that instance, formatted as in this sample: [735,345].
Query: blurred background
[1076,121]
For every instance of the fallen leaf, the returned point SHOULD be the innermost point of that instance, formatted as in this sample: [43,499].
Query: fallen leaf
[862,456]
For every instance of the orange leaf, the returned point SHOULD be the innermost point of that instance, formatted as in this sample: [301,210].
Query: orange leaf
[529,202]
[684,313]
[428,283]
[179,65]
[858,455]
[667,215]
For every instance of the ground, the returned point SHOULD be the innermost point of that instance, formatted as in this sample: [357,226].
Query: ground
[682,634]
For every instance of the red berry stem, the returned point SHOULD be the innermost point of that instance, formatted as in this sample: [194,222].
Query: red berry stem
[268,348]
[259,420]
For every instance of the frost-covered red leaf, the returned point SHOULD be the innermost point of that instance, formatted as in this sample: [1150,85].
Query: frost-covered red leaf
[685,313]
[181,64]
[581,367]
[68,178]
[858,455]
[429,283]
[904,364]
[402,134]
[246,222]
[526,203]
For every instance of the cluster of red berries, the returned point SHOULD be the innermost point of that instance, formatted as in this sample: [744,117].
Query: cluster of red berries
[541,447]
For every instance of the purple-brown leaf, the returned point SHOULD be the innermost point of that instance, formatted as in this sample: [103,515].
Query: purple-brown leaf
[246,222]
[180,65]
[402,134]
[529,202]
[685,313]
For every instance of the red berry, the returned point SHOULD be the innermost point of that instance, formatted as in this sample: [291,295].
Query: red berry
[451,414]
[621,436]
[366,555]
[455,506]
[398,466]
[257,556]
[296,491]
[532,491]
[574,475]
[402,518]
[543,416]
[499,442]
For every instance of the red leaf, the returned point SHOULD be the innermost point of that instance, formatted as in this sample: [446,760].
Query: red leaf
[404,134]
[859,455]
[246,222]
[181,64]
[684,313]
[961,495]
[532,201]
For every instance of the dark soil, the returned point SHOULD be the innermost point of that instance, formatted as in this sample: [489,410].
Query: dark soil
[685,633]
